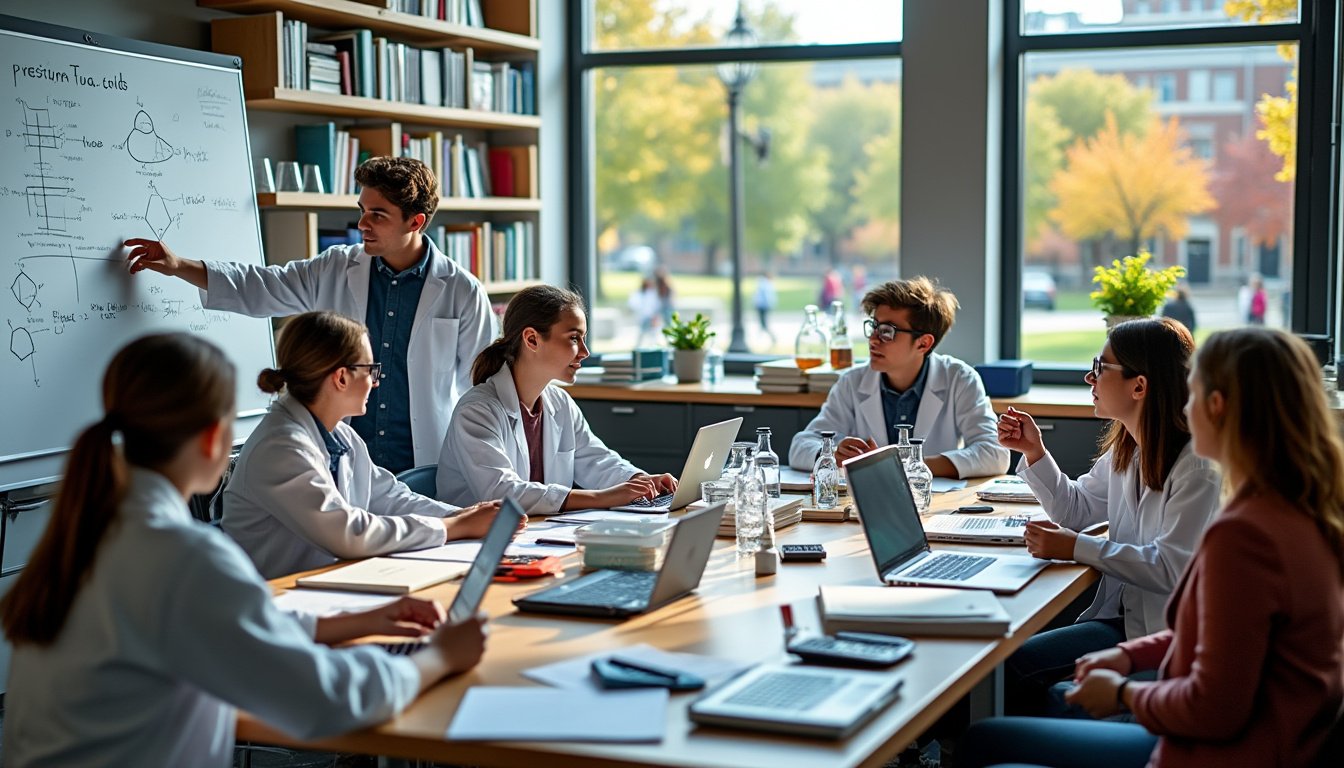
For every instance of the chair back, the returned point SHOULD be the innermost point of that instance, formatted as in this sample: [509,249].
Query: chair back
[422,479]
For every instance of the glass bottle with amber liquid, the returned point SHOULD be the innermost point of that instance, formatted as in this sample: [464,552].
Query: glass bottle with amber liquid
[842,349]
[811,346]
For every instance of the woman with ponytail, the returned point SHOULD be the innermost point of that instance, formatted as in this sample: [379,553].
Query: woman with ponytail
[137,630]
[305,492]
[516,434]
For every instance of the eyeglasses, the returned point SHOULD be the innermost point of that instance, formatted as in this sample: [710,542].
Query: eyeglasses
[375,369]
[886,331]
[1099,365]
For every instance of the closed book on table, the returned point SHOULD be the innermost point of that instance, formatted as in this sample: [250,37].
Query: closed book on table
[933,611]
[386,575]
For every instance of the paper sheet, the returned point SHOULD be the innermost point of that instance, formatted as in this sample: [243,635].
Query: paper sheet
[328,602]
[593,515]
[575,673]
[560,714]
[945,484]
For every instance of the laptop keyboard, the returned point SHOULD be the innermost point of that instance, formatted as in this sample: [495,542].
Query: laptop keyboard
[950,567]
[786,691]
[617,589]
[661,500]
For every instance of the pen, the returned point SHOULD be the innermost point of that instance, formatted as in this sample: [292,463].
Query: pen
[648,669]
[555,542]
[786,615]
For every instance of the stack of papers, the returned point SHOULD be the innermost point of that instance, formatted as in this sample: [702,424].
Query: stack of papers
[837,514]
[786,510]
[519,713]
[589,374]
[821,379]
[780,376]
[912,611]
[1006,489]
[797,481]
[637,365]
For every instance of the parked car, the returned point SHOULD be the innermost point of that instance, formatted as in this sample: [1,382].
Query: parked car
[631,258]
[1038,290]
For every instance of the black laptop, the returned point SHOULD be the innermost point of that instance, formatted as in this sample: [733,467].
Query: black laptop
[609,593]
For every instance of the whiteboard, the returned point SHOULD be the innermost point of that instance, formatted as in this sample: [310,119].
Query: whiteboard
[105,139]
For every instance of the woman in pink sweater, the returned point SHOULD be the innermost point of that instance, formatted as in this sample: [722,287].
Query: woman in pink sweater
[1251,671]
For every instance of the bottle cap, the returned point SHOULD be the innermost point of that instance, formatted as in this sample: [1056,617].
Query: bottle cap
[762,430]
[827,434]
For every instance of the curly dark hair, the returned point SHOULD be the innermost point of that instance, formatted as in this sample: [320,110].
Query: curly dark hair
[408,184]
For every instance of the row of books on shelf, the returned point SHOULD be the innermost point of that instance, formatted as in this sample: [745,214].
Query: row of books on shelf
[784,376]
[464,12]
[355,63]
[464,170]
[492,251]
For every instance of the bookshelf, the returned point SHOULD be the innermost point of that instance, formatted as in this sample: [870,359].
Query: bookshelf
[291,224]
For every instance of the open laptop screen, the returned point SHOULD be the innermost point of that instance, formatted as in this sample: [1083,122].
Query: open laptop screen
[886,509]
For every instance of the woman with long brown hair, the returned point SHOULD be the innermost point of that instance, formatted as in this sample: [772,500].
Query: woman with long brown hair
[137,630]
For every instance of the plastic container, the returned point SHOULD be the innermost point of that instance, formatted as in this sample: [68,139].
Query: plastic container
[624,545]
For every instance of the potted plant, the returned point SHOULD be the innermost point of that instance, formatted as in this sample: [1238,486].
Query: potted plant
[688,339]
[1129,289]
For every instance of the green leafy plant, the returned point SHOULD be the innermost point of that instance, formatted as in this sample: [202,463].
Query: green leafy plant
[1130,287]
[689,334]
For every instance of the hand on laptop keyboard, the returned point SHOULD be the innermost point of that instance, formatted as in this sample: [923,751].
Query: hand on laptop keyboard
[661,500]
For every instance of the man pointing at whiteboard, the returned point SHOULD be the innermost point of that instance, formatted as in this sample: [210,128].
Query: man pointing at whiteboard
[427,317]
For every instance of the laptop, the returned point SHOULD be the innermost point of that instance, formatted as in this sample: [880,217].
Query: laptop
[609,593]
[708,454]
[807,701]
[980,529]
[896,535]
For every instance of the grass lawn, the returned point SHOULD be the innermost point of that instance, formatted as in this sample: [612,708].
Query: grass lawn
[1072,346]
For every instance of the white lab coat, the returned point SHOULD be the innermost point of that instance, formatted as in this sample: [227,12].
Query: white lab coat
[955,418]
[1153,534]
[289,514]
[170,633]
[453,321]
[485,452]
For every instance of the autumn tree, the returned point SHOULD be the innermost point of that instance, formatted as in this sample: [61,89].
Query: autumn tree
[1130,187]
[1278,114]
[1247,193]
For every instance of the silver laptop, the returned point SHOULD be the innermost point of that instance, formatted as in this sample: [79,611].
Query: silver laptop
[708,454]
[807,701]
[898,544]
[980,529]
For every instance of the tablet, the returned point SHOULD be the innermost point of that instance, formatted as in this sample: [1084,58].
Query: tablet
[469,596]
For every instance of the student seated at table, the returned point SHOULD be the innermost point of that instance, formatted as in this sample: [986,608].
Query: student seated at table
[516,434]
[304,492]
[905,382]
[137,630]
[1250,672]
[1148,484]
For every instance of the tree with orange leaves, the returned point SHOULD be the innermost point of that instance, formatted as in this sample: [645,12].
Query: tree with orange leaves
[1132,187]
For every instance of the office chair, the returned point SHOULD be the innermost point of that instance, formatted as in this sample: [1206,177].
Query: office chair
[421,479]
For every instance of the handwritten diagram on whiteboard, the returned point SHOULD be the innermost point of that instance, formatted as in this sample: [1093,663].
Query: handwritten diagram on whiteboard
[101,145]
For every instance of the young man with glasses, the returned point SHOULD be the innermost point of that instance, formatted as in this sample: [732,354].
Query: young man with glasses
[427,317]
[905,382]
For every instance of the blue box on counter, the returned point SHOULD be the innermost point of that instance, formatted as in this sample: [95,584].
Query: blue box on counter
[1006,378]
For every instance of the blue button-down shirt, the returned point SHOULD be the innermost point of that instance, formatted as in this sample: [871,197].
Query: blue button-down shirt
[386,426]
[336,447]
[902,407]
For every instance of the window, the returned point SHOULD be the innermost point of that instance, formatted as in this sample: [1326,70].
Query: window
[1098,143]
[817,144]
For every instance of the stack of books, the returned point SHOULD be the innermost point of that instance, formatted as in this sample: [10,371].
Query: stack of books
[1006,489]
[633,366]
[786,510]
[780,376]
[822,378]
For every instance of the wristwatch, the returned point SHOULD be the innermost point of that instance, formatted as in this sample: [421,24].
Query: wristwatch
[1120,693]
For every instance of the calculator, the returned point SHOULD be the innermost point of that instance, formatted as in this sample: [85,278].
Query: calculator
[853,649]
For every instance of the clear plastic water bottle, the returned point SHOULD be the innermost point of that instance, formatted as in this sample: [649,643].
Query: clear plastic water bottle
[751,503]
[826,475]
[920,477]
[903,449]
[768,461]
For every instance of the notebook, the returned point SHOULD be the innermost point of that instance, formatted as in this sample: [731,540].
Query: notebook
[806,701]
[980,529]
[385,575]
[912,611]
[708,454]
[896,535]
[610,593]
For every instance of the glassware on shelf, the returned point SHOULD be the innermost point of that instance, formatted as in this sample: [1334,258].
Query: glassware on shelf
[920,477]
[842,349]
[768,461]
[811,347]
[826,475]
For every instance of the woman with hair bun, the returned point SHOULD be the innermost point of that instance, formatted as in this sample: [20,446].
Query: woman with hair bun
[305,492]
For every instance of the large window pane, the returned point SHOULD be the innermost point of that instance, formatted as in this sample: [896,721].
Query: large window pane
[820,153]
[1122,154]
[1048,17]
[643,24]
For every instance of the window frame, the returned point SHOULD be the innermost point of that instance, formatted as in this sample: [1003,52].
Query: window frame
[1315,203]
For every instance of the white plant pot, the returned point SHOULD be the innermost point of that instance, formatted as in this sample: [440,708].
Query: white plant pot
[689,364]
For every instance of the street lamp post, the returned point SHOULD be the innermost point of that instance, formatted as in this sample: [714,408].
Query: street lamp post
[735,75]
